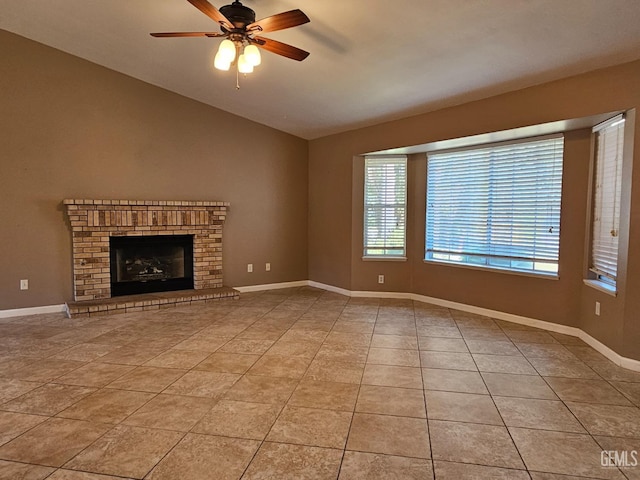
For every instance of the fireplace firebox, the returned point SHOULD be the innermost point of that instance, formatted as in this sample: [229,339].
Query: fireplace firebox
[147,264]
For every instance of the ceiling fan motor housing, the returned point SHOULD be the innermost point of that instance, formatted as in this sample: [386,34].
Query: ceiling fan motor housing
[238,14]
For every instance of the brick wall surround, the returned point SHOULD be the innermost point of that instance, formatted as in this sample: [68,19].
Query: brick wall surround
[94,221]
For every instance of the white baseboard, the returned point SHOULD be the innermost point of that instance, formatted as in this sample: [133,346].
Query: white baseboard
[21,312]
[508,317]
[626,362]
[330,288]
[272,286]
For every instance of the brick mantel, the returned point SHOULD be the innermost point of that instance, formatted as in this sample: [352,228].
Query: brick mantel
[94,221]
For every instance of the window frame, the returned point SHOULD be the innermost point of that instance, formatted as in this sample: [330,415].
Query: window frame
[599,277]
[369,161]
[486,260]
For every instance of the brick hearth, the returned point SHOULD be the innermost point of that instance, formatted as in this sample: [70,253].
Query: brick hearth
[148,301]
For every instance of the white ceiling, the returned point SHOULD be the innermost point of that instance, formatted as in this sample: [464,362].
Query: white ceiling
[371,60]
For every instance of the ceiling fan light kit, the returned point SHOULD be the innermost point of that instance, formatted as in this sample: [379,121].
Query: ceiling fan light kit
[239,27]
[227,51]
[243,65]
[252,54]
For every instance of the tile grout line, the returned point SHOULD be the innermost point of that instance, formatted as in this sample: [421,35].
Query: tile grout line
[424,397]
[355,405]
[264,440]
[515,445]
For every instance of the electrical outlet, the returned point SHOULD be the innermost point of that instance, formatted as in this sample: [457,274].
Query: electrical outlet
[598,308]
[250,267]
[24,284]
[380,278]
[267,267]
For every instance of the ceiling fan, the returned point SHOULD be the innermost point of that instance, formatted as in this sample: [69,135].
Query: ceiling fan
[239,27]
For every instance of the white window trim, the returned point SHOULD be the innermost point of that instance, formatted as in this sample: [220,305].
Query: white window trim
[601,286]
[386,258]
[490,268]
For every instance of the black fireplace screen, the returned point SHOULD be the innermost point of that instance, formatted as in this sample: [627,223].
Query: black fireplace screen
[148,264]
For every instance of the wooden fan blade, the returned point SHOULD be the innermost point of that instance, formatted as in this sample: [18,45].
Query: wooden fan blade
[212,12]
[280,48]
[184,34]
[289,19]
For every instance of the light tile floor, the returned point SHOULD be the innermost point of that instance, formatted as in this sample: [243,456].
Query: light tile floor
[305,384]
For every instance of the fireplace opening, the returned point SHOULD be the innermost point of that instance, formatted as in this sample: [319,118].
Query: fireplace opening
[158,263]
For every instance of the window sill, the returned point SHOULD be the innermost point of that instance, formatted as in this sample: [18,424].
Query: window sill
[383,259]
[544,276]
[601,286]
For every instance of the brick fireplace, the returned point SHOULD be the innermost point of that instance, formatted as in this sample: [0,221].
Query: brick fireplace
[94,222]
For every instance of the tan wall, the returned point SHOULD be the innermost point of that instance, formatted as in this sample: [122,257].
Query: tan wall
[72,129]
[330,208]
[564,301]
[631,328]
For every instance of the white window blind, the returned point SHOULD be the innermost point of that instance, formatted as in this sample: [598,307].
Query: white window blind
[606,211]
[385,205]
[496,205]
